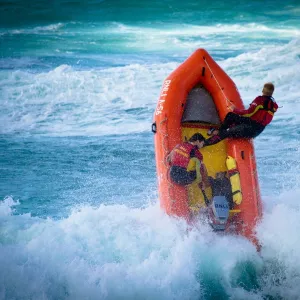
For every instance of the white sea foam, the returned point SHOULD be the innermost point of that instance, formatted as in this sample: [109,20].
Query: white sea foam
[194,30]
[120,100]
[289,10]
[51,27]
[279,234]
[168,30]
[114,252]
[176,36]
[186,36]
[34,30]
[278,64]
[69,102]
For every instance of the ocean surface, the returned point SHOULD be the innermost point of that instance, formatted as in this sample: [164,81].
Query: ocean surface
[79,211]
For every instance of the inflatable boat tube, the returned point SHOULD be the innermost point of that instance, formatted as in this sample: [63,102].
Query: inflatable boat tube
[194,98]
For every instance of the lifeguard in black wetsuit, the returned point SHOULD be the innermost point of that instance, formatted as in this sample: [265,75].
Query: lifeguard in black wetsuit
[186,162]
[248,123]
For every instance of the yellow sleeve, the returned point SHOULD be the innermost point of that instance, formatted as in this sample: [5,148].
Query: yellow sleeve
[194,165]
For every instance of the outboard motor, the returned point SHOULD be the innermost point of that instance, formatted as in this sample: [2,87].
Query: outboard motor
[218,211]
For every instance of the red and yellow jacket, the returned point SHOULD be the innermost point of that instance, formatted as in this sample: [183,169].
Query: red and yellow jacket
[261,110]
[183,156]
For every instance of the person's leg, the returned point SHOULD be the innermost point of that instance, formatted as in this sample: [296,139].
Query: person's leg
[258,130]
[181,176]
[233,132]
[239,131]
[232,119]
[243,130]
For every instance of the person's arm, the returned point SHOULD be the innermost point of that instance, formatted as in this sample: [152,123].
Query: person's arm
[254,106]
[170,157]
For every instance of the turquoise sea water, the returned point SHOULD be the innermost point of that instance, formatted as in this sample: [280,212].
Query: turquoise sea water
[79,212]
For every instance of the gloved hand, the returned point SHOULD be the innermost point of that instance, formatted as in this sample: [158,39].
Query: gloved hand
[193,153]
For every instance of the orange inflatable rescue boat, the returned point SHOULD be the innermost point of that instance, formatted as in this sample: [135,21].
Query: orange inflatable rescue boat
[194,98]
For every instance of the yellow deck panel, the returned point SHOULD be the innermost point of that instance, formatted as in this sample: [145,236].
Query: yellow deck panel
[214,158]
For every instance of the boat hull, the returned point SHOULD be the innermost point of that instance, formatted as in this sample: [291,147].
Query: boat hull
[175,122]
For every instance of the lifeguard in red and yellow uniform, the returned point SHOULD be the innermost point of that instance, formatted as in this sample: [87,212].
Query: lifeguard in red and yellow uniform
[247,123]
[186,162]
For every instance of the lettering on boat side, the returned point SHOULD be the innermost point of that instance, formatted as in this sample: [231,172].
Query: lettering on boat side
[162,97]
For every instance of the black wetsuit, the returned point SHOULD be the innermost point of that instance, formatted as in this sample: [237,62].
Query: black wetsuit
[236,126]
[181,176]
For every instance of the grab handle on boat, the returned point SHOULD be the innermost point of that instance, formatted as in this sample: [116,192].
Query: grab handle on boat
[153,128]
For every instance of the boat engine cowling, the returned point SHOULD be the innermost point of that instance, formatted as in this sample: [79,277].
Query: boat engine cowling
[218,211]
